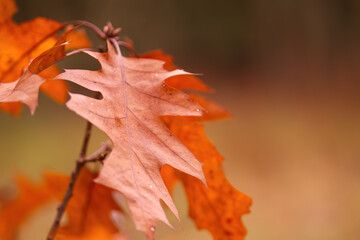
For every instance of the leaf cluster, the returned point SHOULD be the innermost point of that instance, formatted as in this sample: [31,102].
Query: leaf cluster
[155,129]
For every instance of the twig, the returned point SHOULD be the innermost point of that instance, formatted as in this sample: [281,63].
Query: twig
[99,155]
[74,175]
[129,47]
[90,25]
[61,208]
[85,142]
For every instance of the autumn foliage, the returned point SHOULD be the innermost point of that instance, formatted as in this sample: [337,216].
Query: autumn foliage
[155,128]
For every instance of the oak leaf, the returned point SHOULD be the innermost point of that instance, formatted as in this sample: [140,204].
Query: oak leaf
[22,42]
[88,211]
[134,97]
[219,207]
[26,88]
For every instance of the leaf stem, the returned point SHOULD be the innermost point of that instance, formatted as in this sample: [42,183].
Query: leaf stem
[89,25]
[128,47]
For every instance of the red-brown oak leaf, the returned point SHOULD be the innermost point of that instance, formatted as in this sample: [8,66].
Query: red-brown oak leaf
[134,97]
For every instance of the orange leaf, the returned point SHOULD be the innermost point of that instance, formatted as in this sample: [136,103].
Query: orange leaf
[7,10]
[77,39]
[56,89]
[13,108]
[88,210]
[213,110]
[179,82]
[134,97]
[22,42]
[219,207]
[16,212]
[26,88]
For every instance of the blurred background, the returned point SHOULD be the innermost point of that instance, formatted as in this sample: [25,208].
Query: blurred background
[287,70]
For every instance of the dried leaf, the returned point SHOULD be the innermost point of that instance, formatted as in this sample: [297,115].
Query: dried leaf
[24,90]
[134,97]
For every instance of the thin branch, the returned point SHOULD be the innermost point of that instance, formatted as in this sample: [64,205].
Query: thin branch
[74,175]
[128,47]
[61,208]
[86,141]
[89,25]
[99,155]
[77,51]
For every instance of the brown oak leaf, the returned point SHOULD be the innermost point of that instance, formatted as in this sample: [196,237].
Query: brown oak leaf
[134,97]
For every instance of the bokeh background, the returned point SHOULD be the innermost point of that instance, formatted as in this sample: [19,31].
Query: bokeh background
[287,70]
